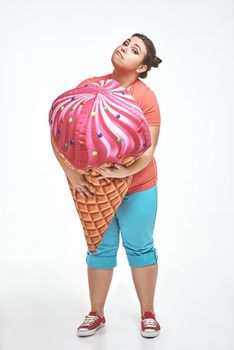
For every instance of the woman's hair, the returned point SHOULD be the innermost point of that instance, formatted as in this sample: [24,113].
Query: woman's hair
[150,60]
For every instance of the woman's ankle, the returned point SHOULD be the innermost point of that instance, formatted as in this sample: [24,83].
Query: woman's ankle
[100,313]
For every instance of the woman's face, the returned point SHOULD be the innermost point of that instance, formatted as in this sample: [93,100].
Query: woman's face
[129,56]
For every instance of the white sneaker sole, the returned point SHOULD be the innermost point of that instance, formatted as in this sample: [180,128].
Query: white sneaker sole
[85,333]
[150,334]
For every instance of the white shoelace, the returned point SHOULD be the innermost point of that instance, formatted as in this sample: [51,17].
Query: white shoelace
[89,319]
[149,322]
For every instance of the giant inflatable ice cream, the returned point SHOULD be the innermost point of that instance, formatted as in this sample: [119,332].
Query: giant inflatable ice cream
[96,126]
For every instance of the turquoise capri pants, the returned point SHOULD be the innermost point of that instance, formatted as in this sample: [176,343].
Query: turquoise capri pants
[135,219]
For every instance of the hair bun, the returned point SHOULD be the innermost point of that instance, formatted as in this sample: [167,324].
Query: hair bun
[156,61]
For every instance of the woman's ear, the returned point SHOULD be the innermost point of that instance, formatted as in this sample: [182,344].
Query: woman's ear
[141,68]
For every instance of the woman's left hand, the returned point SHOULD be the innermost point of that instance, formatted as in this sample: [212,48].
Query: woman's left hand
[118,171]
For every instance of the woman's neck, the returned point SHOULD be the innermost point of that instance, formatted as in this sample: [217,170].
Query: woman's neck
[126,80]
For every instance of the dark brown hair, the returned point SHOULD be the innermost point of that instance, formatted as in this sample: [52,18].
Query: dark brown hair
[150,60]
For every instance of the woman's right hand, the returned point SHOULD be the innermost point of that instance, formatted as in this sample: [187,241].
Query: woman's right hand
[79,184]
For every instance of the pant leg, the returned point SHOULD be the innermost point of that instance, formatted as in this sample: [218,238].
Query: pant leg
[136,216]
[105,255]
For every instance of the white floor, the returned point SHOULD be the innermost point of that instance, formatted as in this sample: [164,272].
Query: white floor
[42,303]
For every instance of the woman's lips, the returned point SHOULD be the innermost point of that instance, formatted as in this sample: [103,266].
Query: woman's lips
[119,53]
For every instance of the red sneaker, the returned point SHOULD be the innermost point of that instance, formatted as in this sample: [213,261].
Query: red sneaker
[149,326]
[91,324]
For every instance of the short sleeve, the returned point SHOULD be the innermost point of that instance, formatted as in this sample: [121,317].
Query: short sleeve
[150,108]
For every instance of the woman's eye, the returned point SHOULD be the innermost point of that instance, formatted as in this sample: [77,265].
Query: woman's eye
[135,51]
[125,43]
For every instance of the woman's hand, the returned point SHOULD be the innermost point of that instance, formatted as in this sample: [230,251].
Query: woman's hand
[79,184]
[118,171]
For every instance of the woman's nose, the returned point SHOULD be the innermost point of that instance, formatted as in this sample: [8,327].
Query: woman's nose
[123,49]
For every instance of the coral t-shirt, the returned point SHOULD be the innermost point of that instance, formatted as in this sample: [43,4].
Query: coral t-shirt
[147,101]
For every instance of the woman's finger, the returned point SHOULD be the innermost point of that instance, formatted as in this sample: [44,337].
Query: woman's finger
[90,187]
[101,177]
[119,166]
[81,193]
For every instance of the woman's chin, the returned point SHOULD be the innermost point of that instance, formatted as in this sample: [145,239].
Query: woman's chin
[117,65]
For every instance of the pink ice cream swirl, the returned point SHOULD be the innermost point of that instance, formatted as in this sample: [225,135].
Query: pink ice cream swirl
[98,123]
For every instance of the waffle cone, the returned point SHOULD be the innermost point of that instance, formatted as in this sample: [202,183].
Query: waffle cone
[97,212]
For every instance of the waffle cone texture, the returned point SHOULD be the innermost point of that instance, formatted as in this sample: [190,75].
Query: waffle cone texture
[97,212]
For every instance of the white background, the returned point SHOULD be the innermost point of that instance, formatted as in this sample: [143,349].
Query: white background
[48,47]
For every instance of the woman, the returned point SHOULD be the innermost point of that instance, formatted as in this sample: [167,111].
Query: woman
[136,215]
